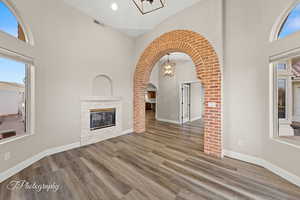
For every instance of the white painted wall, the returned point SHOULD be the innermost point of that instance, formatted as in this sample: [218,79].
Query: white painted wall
[248,26]
[168,95]
[69,51]
[167,98]
[154,78]
[244,27]
[204,18]
[197,101]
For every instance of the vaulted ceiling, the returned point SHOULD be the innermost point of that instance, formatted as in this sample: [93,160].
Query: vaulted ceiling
[127,18]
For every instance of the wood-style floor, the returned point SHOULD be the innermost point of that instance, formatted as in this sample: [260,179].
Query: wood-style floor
[165,163]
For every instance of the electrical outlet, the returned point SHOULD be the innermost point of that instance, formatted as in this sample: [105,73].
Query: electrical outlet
[7,156]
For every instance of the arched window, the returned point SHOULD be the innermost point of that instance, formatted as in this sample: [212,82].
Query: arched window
[9,23]
[16,79]
[291,23]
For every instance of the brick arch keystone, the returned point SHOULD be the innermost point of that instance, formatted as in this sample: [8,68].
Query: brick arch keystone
[208,71]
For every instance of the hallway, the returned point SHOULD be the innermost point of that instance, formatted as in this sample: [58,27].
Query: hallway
[191,132]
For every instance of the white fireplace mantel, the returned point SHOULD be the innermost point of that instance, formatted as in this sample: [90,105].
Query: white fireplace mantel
[89,103]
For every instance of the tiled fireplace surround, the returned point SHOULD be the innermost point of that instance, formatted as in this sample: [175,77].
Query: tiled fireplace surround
[89,103]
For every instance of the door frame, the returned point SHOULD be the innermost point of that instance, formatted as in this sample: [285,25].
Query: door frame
[180,99]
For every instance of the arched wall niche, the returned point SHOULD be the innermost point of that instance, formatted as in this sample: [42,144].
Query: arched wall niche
[102,85]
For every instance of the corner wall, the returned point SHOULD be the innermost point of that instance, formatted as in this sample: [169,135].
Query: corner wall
[248,25]
[69,51]
[243,28]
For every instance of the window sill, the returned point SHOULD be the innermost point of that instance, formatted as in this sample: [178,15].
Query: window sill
[14,138]
[293,141]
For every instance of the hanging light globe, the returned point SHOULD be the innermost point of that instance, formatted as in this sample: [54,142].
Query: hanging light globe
[168,68]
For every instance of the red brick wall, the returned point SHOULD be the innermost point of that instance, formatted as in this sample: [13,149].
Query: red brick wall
[208,71]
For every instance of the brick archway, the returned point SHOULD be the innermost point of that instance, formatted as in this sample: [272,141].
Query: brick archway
[208,71]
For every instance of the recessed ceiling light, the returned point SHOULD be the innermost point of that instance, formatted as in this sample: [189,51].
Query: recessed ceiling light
[114,6]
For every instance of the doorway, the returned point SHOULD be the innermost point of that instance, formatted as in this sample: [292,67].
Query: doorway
[208,71]
[185,103]
[192,102]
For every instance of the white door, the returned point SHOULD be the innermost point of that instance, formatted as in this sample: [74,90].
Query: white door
[185,103]
[297,104]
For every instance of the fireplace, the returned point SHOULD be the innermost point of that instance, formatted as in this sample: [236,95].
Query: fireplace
[102,118]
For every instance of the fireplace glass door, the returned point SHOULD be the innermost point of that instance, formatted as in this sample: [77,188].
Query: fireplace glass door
[102,118]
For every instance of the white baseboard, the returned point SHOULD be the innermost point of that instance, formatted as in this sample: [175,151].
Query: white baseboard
[185,121]
[127,131]
[195,118]
[263,163]
[239,156]
[26,163]
[56,150]
[168,121]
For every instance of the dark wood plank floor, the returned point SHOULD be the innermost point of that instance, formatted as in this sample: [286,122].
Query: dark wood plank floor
[165,163]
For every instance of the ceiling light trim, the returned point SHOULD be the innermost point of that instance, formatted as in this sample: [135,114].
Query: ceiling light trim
[114,6]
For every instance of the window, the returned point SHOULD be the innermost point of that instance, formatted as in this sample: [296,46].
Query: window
[9,23]
[16,80]
[281,66]
[287,98]
[281,85]
[14,92]
[291,23]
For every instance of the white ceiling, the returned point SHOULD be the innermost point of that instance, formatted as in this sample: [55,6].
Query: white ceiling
[127,18]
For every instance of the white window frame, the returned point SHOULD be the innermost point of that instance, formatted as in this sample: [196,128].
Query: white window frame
[274,122]
[30,93]
[21,55]
[286,97]
[26,30]
[286,75]
[273,119]
[281,20]
[282,70]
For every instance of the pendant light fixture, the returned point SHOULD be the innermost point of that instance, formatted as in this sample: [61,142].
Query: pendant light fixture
[168,68]
[148,6]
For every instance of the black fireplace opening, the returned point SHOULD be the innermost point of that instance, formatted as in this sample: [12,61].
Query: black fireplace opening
[102,118]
